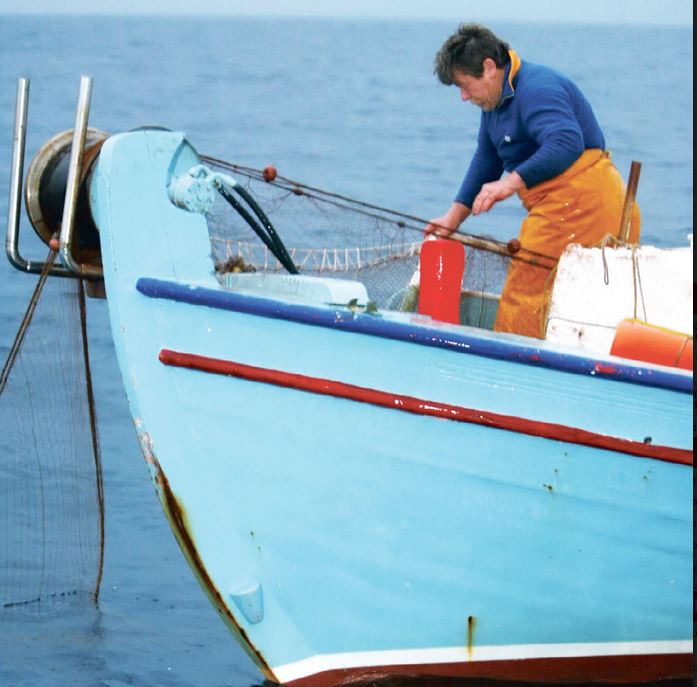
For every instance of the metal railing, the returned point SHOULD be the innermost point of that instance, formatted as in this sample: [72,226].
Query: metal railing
[70,267]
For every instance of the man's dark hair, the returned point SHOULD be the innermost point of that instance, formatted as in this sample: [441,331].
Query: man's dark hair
[466,50]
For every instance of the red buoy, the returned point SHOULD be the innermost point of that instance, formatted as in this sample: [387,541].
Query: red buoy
[269,172]
[442,265]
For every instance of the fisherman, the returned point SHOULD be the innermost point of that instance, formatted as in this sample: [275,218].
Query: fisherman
[538,128]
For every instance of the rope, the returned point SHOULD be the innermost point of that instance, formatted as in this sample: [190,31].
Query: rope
[96,449]
[402,220]
[26,320]
[636,273]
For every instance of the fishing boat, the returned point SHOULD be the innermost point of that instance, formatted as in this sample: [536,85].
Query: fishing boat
[367,489]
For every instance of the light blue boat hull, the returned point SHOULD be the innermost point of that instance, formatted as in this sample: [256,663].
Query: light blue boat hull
[341,538]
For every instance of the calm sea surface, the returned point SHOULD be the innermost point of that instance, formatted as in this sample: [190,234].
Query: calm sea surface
[350,106]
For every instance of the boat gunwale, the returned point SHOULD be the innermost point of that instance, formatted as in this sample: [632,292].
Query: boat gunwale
[429,333]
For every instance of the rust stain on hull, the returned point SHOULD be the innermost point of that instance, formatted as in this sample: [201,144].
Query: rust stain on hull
[471,622]
[176,514]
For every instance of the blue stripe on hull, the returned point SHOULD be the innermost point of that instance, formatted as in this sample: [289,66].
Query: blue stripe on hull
[503,347]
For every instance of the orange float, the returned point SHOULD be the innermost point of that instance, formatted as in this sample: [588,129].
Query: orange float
[640,340]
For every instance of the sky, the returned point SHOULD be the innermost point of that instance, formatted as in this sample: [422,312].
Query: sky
[666,12]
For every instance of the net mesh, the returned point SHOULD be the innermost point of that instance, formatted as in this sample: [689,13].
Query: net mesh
[337,237]
[51,505]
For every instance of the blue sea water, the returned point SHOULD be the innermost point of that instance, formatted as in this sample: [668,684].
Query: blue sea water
[347,105]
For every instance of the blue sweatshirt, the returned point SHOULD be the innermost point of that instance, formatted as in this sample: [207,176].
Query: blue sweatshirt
[541,126]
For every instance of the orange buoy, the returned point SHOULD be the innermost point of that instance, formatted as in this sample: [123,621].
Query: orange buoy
[442,264]
[640,340]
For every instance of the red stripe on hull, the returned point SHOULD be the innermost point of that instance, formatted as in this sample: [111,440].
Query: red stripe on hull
[626,670]
[421,406]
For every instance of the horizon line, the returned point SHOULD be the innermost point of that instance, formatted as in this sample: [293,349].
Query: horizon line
[338,16]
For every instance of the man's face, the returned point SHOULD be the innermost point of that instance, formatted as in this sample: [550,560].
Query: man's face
[483,91]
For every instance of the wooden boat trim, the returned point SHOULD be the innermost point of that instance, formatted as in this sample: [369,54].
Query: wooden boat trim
[616,662]
[411,404]
[422,334]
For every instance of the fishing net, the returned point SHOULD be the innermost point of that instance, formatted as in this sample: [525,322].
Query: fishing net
[51,504]
[333,236]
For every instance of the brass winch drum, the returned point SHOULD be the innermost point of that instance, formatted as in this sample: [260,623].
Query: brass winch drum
[45,188]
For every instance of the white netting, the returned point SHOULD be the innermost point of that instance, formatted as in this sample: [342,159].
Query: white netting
[337,237]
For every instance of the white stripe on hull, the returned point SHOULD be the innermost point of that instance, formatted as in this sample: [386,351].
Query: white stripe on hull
[369,659]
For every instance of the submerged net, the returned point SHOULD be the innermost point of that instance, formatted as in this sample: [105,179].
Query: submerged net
[51,504]
[336,237]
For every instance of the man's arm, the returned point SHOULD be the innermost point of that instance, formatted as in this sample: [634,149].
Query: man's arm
[485,166]
[449,222]
[493,192]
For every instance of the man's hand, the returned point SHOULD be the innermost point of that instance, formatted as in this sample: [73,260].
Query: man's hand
[449,222]
[493,192]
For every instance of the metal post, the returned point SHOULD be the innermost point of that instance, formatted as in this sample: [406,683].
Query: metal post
[632,184]
[16,177]
[73,184]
